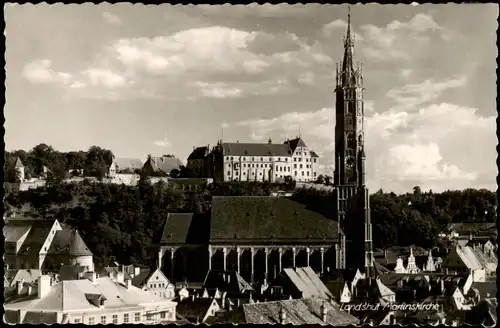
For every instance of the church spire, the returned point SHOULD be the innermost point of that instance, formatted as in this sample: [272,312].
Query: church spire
[347,77]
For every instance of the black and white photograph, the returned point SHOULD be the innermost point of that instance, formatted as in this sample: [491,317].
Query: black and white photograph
[330,164]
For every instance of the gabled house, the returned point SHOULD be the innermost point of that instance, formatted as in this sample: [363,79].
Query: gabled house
[229,282]
[197,310]
[161,165]
[27,241]
[156,282]
[464,260]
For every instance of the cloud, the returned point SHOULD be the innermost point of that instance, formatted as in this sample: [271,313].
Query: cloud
[105,78]
[164,143]
[401,40]
[413,95]
[403,148]
[406,73]
[224,63]
[111,18]
[40,71]
[339,25]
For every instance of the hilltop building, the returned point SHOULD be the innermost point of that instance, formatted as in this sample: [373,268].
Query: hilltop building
[255,161]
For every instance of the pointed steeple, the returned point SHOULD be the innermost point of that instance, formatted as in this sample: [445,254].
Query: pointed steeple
[348,74]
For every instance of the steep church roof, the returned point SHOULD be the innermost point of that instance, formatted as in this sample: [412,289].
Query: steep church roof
[267,218]
[69,242]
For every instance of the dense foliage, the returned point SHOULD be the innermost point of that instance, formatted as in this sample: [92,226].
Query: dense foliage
[124,222]
[94,162]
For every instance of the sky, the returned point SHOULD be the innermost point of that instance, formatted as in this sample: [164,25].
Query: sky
[161,79]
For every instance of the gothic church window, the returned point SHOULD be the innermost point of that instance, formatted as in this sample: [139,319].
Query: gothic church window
[351,142]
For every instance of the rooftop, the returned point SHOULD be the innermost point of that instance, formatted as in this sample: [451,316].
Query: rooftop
[267,218]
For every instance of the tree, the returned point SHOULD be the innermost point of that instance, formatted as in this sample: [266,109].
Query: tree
[327,180]
[321,179]
[175,173]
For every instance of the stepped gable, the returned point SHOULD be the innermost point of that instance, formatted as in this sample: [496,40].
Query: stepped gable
[255,149]
[261,219]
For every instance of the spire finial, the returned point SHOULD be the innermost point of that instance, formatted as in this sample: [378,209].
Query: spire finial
[348,19]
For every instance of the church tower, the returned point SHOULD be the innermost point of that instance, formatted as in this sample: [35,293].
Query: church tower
[353,202]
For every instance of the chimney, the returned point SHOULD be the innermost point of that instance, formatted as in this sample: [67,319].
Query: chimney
[324,312]
[128,283]
[193,297]
[19,287]
[119,276]
[90,276]
[43,286]
[282,315]
[30,289]
[137,270]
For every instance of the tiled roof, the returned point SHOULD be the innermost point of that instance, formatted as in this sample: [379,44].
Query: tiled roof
[112,272]
[70,272]
[298,312]
[14,233]
[188,228]
[39,232]
[25,275]
[128,163]
[18,163]
[267,218]
[141,279]
[379,268]
[255,149]
[307,282]
[383,289]
[226,281]
[198,153]
[294,143]
[69,242]
[72,295]
[468,257]
[487,287]
[193,310]
[164,164]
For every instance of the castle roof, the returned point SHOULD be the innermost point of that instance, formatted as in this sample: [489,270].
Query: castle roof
[294,143]
[255,149]
[198,153]
[164,164]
